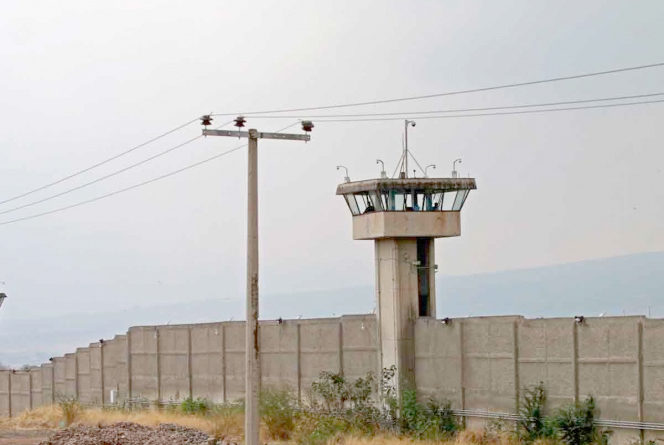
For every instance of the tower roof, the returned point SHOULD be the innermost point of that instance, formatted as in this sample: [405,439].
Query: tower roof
[410,184]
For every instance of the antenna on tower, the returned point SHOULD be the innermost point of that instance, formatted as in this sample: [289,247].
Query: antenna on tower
[404,169]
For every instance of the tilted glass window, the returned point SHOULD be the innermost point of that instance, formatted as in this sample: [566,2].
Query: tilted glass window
[362,202]
[376,201]
[460,199]
[448,200]
[352,204]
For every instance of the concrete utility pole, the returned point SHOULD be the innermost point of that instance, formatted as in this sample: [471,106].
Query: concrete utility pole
[252,348]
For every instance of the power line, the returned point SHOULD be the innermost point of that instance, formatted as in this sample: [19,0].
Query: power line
[140,184]
[492,114]
[99,164]
[451,93]
[459,110]
[110,175]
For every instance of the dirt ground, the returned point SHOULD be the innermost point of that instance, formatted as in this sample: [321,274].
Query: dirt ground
[23,437]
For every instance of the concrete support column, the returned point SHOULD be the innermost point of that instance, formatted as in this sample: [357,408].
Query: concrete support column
[397,298]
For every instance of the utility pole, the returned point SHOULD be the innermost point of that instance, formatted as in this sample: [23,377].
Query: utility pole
[252,348]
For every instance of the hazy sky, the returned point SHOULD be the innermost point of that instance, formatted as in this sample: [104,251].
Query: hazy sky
[82,81]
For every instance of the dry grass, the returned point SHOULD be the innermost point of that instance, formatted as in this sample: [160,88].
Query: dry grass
[463,438]
[222,424]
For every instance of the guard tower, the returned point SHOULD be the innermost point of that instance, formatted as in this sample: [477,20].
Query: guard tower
[404,217]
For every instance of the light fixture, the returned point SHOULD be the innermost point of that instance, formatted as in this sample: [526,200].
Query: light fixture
[383,173]
[446,321]
[455,174]
[346,178]
[2,298]
[579,319]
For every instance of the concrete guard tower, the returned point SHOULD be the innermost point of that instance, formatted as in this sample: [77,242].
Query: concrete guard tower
[404,217]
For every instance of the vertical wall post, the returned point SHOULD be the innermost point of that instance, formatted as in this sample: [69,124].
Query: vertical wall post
[223,363]
[341,347]
[9,390]
[101,372]
[76,390]
[129,389]
[189,366]
[639,376]
[30,389]
[53,384]
[575,360]
[158,360]
[299,363]
[462,368]
[515,353]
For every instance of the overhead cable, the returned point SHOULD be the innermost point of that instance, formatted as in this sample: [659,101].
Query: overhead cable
[99,164]
[451,93]
[110,175]
[132,187]
[103,178]
[454,116]
[459,110]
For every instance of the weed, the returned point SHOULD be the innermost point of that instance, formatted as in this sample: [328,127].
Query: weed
[195,406]
[226,421]
[278,409]
[532,423]
[70,409]
[432,420]
[576,424]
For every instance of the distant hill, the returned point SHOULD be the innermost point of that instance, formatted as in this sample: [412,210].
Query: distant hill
[621,285]
[629,284]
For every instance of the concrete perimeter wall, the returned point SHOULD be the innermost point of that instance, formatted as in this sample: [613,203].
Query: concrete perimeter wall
[485,363]
[478,363]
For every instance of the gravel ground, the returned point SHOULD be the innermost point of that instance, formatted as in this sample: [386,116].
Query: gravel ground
[23,437]
[126,433]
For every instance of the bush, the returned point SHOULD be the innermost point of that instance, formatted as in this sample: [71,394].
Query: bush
[338,406]
[532,423]
[195,406]
[227,420]
[70,409]
[432,421]
[278,409]
[576,424]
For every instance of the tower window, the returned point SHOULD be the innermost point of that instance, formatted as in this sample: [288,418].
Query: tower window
[423,274]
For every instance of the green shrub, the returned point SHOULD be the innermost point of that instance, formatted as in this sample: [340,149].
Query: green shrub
[278,409]
[432,420]
[576,424]
[195,406]
[532,423]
